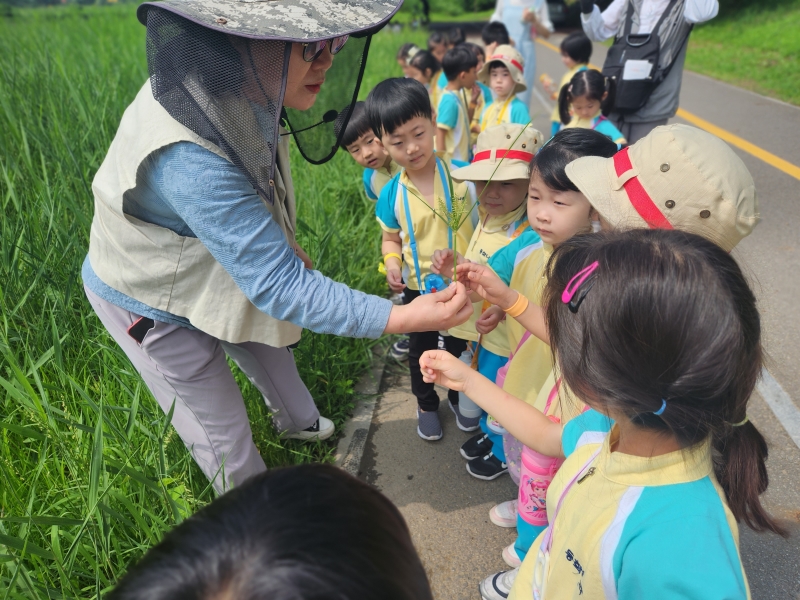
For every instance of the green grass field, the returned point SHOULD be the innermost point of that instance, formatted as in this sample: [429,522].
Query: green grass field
[757,48]
[91,472]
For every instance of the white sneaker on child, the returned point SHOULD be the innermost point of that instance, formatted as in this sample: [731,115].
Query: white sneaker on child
[497,586]
[511,557]
[504,514]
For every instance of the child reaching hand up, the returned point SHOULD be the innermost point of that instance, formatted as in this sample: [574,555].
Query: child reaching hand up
[671,333]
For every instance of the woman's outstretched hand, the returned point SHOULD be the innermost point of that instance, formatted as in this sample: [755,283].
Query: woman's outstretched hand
[485,282]
[439,366]
[432,312]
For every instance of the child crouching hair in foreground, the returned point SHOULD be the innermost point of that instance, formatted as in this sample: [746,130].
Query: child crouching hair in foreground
[658,332]
[298,533]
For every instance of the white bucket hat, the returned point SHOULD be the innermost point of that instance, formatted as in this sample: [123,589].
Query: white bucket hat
[503,153]
[512,59]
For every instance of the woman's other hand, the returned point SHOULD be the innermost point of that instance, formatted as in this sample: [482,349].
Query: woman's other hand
[432,312]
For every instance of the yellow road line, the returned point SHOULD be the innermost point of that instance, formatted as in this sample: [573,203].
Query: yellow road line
[732,139]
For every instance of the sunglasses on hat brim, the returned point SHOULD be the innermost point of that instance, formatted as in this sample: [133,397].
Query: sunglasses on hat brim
[313,50]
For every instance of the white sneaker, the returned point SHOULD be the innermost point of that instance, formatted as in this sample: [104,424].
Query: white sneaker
[511,557]
[504,514]
[498,586]
[322,429]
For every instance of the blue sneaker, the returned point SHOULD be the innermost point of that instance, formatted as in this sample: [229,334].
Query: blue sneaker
[399,350]
[428,425]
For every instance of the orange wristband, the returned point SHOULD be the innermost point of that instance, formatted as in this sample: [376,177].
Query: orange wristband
[518,307]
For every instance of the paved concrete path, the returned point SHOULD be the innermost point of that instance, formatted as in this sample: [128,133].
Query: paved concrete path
[447,509]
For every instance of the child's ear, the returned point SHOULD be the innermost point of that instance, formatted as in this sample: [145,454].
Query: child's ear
[605,95]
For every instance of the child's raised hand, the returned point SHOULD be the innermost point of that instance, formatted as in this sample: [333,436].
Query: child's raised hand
[442,262]
[485,282]
[394,277]
[439,366]
[489,320]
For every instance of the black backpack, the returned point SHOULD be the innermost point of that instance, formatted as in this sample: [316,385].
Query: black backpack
[631,94]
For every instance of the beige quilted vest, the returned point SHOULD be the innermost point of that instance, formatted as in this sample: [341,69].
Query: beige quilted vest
[160,268]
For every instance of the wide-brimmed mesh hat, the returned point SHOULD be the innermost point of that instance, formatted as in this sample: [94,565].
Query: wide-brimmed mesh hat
[503,153]
[219,67]
[676,177]
[512,59]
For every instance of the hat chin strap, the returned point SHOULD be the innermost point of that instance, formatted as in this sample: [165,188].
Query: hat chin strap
[638,196]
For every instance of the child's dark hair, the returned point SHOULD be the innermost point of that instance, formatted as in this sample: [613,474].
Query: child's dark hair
[457,60]
[495,32]
[456,36]
[437,37]
[477,50]
[667,316]
[424,60]
[304,532]
[551,161]
[396,101]
[578,47]
[357,126]
[590,83]
[405,49]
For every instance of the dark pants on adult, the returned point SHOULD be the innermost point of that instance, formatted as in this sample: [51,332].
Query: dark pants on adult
[418,343]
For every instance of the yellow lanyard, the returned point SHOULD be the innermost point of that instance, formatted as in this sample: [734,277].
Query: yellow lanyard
[500,115]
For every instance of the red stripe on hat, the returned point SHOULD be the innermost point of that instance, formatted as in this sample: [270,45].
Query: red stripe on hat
[509,59]
[640,199]
[517,154]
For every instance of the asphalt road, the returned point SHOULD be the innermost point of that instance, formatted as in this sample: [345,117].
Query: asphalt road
[447,510]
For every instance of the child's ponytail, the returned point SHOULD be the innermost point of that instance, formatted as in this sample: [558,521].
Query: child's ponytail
[741,470]
[610,88]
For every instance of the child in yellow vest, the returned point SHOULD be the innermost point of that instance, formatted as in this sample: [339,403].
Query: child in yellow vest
[502,72]
[585,102]
[727,194]
[400,114]
[576,51]
[500,173]
[452,113]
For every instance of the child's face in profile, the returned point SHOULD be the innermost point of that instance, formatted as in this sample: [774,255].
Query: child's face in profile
[501,197]
[438,50]
[557,216]
[568,62]
[368,151]
[417,75]
[411,144]
[501,82]
[468,78]
[585,107]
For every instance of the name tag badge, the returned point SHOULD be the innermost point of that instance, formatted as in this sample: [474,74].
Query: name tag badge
[637,69]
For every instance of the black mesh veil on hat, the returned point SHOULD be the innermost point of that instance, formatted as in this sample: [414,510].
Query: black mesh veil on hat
[228,89]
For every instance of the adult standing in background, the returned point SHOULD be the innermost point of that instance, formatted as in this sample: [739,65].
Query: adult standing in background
[645,16]
[524,19]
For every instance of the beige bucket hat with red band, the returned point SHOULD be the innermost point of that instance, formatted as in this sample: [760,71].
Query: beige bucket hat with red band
[512,59]
[502,153]
[676,177]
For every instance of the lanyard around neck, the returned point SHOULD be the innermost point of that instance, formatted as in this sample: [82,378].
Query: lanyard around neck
[500,115]
[412,240]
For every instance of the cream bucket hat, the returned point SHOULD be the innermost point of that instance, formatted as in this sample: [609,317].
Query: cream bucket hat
[512,59]
[676,177]
[502,153]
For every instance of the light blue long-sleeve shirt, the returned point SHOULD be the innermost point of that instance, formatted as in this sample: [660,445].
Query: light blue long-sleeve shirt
[196,193]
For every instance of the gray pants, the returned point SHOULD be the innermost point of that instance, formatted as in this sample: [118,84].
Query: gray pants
[188,367]
[633,132]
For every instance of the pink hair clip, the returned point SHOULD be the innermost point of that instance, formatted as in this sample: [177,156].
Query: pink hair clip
[568,295]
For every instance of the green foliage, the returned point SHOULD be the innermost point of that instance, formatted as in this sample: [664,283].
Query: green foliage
[754,45]
[91,472]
